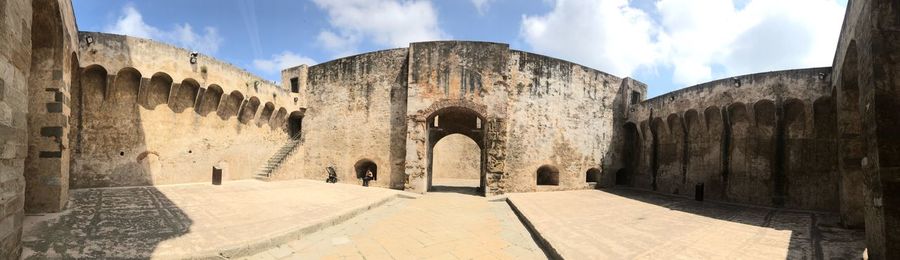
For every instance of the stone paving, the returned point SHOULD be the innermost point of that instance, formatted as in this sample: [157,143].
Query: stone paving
[194,220]
[629,224]
[439,225]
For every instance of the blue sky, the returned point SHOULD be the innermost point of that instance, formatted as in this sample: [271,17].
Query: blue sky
[668,44]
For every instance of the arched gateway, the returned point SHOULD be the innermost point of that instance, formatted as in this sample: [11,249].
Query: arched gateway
[455,120]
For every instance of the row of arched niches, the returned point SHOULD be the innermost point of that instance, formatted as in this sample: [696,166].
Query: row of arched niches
[129,86]
[766,153]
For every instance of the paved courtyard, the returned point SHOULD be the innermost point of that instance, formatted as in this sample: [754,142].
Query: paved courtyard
[628,224]
[192,220]
[305,219]
[439,225]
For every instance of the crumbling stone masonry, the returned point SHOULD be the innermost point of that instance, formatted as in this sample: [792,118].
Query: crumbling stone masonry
[84,109]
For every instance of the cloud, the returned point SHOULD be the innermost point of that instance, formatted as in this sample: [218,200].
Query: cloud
[481,5]
[698,39]
[283,60]
[384,23]
[131,23]
[606,34]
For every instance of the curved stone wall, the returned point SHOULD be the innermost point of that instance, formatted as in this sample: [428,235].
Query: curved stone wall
[142,114]
[766,139]
[525,111]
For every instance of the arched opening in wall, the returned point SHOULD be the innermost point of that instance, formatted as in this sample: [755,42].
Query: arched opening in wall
[295,124]
[46,187]
[547,175]
[630,155]
[231,105]
[457,162]
[249,110]
[210,100]
[93,85]
[465,122]
[661,153]
[158,91]
[277,121]
[362,167]
[125,90]
[185,95]
[266,114]
[592,175]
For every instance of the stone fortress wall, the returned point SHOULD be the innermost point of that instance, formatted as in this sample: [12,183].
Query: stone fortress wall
[144,115]
[377,107]
[82,110]
[766,139]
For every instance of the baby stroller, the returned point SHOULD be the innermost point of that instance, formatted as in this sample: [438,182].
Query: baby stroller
[332,176]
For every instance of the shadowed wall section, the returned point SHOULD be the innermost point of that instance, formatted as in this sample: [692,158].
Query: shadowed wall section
[761,149]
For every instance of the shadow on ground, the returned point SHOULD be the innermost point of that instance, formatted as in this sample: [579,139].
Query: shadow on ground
[107,223]
[814,235]
[456,189]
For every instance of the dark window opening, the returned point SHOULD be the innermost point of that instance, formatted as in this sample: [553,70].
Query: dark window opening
[547,175]
[366,165]
[295,85]
[635,97]
[592,175]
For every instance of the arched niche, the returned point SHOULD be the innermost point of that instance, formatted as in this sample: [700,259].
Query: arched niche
[210,100]
[547,175]
[266,114]
[249,110]
[158,90]
[125,90]
[185,95]
[231,105]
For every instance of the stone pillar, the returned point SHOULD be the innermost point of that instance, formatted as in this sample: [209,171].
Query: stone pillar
[416,154]
[496,157]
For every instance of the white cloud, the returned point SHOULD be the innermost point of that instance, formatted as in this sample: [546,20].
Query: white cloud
[481,5]
[131,23]
[283,60]
[385,23]
[691,36]
[606,34]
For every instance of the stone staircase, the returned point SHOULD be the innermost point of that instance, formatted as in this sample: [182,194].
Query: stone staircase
[265,172]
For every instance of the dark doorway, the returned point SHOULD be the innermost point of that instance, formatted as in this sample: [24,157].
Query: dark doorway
[366,165]
[295,123]
[631,149]
[592,175]
[548,175]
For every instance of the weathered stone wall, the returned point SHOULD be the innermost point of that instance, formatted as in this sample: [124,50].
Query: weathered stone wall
[867,93]
[765,139]
[15,64]
[349,119]
[54,63]
[560,114]
[144,115]
[456,157]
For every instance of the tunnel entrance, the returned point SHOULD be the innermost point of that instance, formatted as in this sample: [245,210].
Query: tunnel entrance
[456,151]
[631,153]
[294,125]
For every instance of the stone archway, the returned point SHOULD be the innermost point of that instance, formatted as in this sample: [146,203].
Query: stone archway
[455,117]
[451,121]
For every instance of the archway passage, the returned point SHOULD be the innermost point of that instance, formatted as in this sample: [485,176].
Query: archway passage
[295,124]
[547,175]
[631,148]
[463,129]
[364,165]
[457,163]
